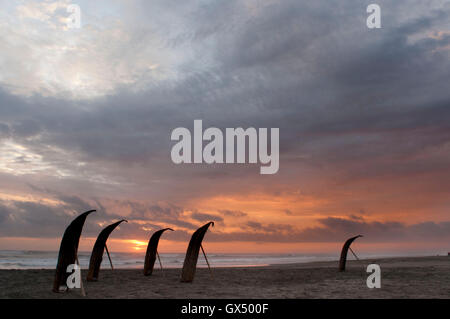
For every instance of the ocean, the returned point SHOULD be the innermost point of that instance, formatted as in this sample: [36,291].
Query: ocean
[24,259]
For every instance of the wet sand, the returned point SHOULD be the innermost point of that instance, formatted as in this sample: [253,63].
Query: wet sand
[409,277]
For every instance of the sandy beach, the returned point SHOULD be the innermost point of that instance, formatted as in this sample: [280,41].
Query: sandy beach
[409,277]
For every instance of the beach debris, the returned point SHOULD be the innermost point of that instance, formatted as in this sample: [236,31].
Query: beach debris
[344,252]
[99,249]
[152,252]
[68,250]
[190,261]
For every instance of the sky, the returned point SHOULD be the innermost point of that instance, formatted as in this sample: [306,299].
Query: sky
[86,116]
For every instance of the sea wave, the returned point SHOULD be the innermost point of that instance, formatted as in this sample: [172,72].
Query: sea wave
[17,259]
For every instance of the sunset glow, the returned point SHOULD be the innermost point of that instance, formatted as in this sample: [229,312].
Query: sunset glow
[86,116]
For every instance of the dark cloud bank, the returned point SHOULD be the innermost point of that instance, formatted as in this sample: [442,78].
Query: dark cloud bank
[27,219]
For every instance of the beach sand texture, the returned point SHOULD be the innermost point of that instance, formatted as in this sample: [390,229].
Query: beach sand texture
[409,277]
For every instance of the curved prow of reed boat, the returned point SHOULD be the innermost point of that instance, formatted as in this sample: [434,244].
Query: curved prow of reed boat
[344,252]
[99,249]
[152,250]
[190,261]
[68,249]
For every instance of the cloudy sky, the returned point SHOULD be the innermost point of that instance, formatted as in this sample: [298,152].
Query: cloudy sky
[364,115]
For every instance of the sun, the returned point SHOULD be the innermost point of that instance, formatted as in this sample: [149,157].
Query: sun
[138,244]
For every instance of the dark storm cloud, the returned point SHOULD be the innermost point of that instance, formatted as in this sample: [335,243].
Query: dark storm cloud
[202,217]
[26,219]
[145,210]
[333,229]
[170,214]
[232,213]
[269,228]
[288,212]
[338,230]
[315,65]
[5,131]
[33,219]
[3,214]
[25,129]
